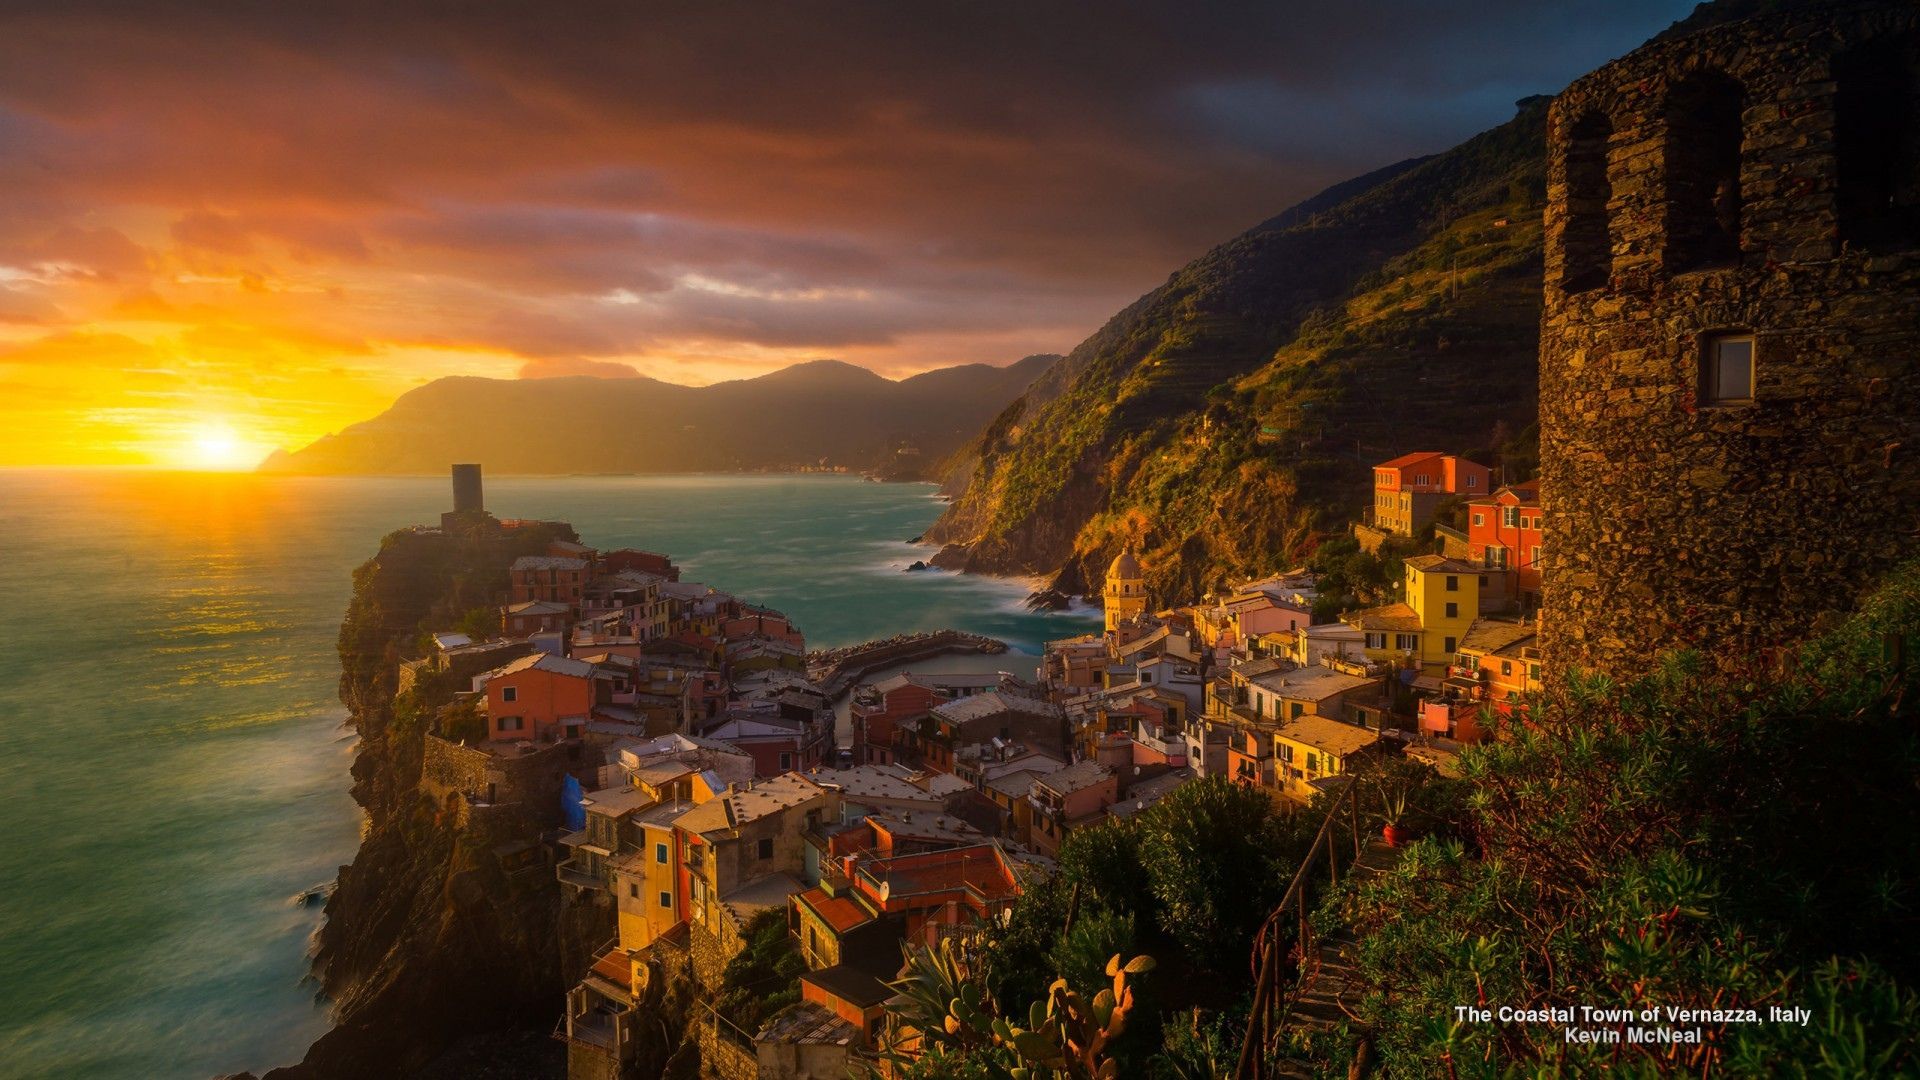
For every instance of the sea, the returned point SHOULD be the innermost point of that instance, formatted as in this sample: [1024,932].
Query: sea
[175,756]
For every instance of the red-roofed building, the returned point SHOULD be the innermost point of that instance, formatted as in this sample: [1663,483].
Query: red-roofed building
[1407,489]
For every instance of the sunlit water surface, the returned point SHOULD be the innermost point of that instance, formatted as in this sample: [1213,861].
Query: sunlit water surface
[176,763]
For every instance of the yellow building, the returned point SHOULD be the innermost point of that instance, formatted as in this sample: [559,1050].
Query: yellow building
[1310,747]
[1126,592]
[1442,600]
[644,887]
[644,877]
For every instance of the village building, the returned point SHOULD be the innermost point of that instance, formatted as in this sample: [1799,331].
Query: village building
[743,853]
[967,727]
[543,697]
[560,578]
[1425,630]
[1408,489]
[1498,664]
[851,925]
[887,789]
[637,561]
[780,736]
[1068,799]
[1311,749]
[876,711]
[530,618]
[1504,539]
[1312,646]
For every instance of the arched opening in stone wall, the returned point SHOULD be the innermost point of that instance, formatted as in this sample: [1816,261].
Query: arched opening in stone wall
[1877,136]
[1587,245]
[1703,171]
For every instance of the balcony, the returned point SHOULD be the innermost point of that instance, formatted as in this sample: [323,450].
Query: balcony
[580,873]
[600,1027]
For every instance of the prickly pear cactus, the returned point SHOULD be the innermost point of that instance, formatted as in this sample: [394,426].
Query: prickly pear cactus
[1066,1036]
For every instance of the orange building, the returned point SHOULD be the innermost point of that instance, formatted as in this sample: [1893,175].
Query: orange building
[1503,535]
[540,698]
[1498,663]
[1407,489]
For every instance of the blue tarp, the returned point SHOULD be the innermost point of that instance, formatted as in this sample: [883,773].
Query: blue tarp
[571,806]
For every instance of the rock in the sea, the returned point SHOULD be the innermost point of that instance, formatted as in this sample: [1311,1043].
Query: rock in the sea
[1048,600]
[918,565]
[921,539]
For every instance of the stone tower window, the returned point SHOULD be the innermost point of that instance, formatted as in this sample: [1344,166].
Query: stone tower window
[1703,172]
[1587,247]
[1878,147]
[1726,370]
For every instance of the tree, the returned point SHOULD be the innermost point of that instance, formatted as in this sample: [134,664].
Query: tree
[1216,863]
[1104,862]
[480,623]
[1016,964]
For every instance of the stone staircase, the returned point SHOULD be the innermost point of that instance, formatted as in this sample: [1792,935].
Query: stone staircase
[1330,987]
[1324,989]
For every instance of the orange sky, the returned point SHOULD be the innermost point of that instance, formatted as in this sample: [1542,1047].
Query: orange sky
[226,233]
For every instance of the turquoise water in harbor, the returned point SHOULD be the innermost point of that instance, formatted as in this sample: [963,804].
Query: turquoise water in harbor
[176,768]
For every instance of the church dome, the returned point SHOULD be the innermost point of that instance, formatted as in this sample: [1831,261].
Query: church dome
[1124,566]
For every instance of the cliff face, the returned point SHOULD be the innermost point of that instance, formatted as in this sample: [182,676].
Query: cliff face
[427,939]
[1228,419]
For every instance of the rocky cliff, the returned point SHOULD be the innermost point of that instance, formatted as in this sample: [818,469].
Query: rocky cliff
[429,942]
[1226,420]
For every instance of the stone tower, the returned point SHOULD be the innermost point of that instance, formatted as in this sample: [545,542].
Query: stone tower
[1126,592]
[467,493]
[1730,344]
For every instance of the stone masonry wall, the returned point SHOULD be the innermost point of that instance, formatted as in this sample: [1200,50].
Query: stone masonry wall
[529,781]
[1673,521]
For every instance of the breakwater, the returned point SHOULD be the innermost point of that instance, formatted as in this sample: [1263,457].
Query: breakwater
[837,670]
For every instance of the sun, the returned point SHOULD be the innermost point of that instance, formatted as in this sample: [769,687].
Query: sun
[215,446]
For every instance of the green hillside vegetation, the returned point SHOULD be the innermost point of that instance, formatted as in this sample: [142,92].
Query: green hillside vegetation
[1703,836]
[1226,421]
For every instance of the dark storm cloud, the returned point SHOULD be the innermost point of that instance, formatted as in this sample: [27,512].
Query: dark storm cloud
[597,180]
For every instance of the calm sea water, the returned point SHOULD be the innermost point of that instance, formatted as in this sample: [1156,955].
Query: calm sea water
[175,761]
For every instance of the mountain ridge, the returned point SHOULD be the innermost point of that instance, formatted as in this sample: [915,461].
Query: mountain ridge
[1186,425]
[802,414]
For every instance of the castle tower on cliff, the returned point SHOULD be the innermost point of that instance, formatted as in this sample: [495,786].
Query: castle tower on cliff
[467,493]
[1126,592]
[469,503]
[1730,344]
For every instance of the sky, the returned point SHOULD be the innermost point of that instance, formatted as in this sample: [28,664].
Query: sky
[227,228]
